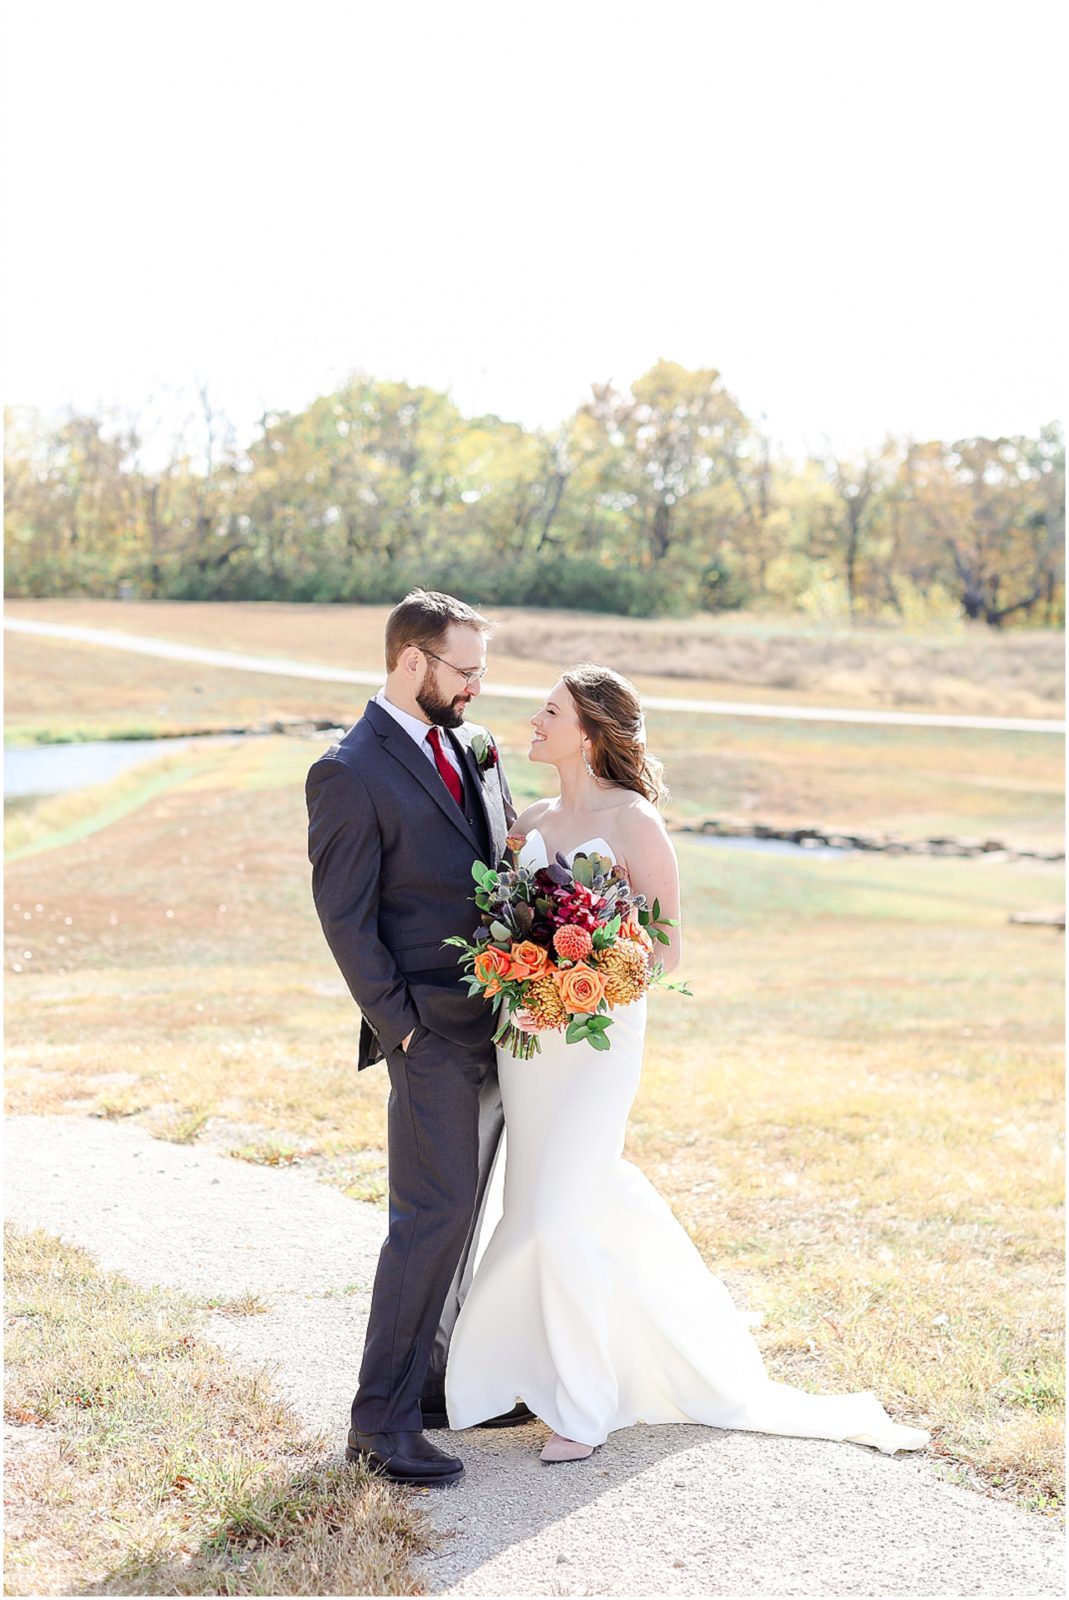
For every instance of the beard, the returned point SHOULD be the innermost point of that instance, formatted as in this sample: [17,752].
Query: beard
[436,708]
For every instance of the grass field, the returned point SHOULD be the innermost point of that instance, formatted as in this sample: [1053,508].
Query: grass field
[967,669]
[138,1462]
[919,782]
[858,1115]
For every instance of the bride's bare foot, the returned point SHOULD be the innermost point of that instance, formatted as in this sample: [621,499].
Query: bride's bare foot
[557,1448]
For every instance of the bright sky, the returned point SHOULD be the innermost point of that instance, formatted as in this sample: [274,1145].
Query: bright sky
[851,209]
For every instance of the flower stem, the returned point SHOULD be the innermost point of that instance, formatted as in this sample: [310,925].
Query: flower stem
[522,1045]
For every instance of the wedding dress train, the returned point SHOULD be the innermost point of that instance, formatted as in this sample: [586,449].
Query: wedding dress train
[589,1300]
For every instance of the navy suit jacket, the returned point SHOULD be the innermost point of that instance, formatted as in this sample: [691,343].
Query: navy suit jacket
[391,855]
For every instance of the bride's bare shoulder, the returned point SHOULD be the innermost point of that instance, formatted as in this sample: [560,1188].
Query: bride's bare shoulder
[639,831]
[639,818]
[531,817]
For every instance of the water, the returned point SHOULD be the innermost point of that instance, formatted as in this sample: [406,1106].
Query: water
[37,770]
[776,847]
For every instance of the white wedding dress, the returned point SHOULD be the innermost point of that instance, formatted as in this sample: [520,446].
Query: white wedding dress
[589,1300]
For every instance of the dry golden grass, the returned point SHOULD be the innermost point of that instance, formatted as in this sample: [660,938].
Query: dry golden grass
[56,692]
[921,782]
[64,818]
[858,1116]
[138,1462]
[966,669]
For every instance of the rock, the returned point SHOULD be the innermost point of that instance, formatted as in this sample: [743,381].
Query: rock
[1040,919]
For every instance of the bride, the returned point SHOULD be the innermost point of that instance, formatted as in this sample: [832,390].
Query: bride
[590,1300]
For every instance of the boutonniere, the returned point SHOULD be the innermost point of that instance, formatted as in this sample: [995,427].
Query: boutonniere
[485,751]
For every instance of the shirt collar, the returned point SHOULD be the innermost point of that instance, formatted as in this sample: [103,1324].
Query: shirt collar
[415,727]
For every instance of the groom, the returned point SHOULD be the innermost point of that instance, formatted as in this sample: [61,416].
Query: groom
[398,811]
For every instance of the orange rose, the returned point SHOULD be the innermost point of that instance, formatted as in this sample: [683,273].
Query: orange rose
[581,988]
[491,963]
[529,960]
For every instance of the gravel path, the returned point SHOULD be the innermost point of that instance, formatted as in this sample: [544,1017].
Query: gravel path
[667,1510]
[285,667]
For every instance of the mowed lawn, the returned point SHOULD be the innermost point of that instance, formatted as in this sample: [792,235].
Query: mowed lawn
[857,1116]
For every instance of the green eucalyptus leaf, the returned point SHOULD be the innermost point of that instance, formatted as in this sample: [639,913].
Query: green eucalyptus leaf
[582,870]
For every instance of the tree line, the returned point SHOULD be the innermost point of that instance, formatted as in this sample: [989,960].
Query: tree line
[661,498]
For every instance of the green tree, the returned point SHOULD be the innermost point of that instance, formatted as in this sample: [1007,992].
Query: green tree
[994,509]
[669,447]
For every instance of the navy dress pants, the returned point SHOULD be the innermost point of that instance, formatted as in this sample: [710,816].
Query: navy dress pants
[444,1125]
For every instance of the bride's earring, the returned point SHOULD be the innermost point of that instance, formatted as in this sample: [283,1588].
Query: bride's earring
[586,763]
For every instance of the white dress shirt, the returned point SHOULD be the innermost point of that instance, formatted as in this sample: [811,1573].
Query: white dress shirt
[418,731]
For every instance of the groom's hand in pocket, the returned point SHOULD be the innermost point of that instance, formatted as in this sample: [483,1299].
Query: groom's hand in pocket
[406,1042]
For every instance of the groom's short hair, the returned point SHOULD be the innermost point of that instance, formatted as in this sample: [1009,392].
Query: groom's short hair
[422,618]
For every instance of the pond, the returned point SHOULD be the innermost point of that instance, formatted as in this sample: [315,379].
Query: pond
[33,771]
[776,847]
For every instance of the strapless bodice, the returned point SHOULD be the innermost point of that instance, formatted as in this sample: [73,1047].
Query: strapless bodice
[540,850]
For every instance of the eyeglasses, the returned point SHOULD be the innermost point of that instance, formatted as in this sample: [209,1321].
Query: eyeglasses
[474,675]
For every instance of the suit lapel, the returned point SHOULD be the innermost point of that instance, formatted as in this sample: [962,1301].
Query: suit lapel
[403,748]
[495,815]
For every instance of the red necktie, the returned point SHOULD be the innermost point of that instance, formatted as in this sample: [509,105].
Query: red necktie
[445,767]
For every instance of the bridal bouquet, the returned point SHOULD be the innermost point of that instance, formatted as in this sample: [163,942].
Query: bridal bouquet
[563,943]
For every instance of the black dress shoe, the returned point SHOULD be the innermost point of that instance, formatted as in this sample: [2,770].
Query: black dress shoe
[515,1418]
[403,1458]
[435,1416]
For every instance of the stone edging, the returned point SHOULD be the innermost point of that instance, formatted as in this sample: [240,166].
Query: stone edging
[889,843]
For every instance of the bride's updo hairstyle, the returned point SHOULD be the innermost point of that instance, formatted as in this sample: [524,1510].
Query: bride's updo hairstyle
[610,714]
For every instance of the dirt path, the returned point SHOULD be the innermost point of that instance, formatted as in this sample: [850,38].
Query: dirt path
[280,666]
[667,1510]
